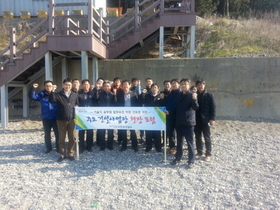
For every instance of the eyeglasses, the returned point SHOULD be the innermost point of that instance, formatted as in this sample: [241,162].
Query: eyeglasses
[48,85]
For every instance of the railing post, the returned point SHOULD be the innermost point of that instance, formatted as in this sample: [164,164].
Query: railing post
[67,22]
[12,44]
[108,32]
[100,23]
[51,17]
[192,6]
[90,15]
[137,22]
[31,40]
[78,26]
[161,6]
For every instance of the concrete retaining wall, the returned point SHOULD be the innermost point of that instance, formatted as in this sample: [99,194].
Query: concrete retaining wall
[243,87]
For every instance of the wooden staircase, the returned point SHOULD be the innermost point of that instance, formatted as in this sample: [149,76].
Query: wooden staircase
[26,66]
[98,37]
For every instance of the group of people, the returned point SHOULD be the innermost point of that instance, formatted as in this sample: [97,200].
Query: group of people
[189,110]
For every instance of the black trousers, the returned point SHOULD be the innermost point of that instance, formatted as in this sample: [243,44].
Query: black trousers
[133,138]
[170,129]
[110,138]
[199,129]
[185,132]
[89,139]
[48,126]
[156,135]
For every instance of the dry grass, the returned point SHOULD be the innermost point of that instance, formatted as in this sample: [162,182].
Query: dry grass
[222,37]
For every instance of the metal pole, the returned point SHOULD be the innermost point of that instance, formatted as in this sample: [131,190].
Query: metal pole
[165,146]
[64,68]
[161,35]
[77,144]
[4,106]
[84,61]
[25,101]
[48,66]
[94,69]
[192,43]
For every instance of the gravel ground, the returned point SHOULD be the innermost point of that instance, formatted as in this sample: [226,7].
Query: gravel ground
[244,173]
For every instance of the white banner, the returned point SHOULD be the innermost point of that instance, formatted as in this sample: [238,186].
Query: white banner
[120,118]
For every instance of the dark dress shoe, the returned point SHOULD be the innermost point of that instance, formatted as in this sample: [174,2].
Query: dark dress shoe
[60,159]
[71,158]
[175,162]
[136,149]
[147,150]
[102,149]
[159,150]
[110,148]
[190,165]
[122,149]
[48,151]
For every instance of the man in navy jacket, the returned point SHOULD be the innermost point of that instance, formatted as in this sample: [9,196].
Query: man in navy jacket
[48,111]
[106,99]
[86,99]
[185,121]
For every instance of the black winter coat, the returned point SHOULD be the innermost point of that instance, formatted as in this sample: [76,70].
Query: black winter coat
[185,109]
[106,99]
[151,101]
[207,107]
[65,106]
[86,99]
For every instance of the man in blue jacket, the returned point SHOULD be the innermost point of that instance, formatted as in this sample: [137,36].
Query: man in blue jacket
[170,103]
[48,111]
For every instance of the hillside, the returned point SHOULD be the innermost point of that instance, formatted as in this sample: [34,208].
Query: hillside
[220,37]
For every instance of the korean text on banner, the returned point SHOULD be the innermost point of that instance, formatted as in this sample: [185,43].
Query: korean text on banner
[121,118]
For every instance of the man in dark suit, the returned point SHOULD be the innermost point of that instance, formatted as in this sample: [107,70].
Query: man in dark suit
[127,98]
[106,99]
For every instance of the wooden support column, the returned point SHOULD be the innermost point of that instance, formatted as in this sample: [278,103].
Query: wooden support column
[161,44]
[51,16]
[161,6]
[25,102]
[192,41]
[94,69]
[136,17]
[4,106]
[48,66]
[100,24]
[90,16]
[64,68]
[84,61]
